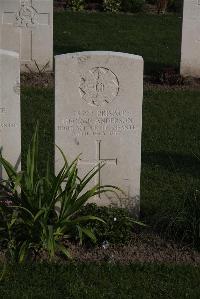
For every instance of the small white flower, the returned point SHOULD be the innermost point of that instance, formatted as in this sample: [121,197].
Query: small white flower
[115,219]
[105,244]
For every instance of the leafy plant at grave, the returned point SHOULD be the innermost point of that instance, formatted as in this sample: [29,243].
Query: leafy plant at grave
[77,5]
[112,5]
[41,212]
[117,227]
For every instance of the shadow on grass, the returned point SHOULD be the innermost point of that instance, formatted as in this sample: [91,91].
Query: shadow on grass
[173,162]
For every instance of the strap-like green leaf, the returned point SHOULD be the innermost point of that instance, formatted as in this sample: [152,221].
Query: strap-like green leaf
[10,170]
[90,234]
[87,218]
[64,250]
[23,251]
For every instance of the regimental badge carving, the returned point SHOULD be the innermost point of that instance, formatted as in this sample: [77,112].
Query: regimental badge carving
[27,16]
[99,86]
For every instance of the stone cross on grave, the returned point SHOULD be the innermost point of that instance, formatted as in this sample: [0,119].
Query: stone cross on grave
[98,161]
[28,18]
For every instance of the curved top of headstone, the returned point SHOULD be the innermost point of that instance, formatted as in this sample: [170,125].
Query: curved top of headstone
[9,53]
[100,53]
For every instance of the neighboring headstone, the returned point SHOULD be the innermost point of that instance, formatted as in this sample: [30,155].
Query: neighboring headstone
[98,112]
[190,52]
[34,18]
[9,35]
[10,127]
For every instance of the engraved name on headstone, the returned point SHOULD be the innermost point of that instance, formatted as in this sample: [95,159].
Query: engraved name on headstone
[34,18]
[10,127]
[190,59]
[98,112]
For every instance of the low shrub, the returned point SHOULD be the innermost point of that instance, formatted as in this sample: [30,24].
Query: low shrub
[132,5]
[117,227]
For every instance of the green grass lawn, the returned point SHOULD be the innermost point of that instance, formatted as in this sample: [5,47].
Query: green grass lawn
[156,38]
[37,105]
[170,144]
[170,169]
[90,281]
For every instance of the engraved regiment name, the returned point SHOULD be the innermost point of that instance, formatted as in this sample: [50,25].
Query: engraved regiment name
[100,122]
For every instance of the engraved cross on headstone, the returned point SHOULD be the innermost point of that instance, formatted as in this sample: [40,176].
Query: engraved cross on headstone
[28,18]
[98,161]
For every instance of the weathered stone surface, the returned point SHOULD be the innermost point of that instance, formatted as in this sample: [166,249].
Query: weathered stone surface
[10,127]
[9,35]
[98,98]
[34,20]
[190,58]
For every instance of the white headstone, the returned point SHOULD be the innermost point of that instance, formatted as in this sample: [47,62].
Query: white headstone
[10,127]
[98,98]
[9,35]
[34,19]
[190,57]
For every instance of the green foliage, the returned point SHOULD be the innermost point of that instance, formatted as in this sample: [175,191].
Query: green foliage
[40,212]
[3,272]
[117,227]
[77,5]
[133,5]
[112,5]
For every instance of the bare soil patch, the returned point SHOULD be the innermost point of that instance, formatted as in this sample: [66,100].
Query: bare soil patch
[143,247]
[38,80]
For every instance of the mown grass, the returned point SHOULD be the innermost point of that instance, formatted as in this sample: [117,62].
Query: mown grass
[170,151]
[156,38]
[37,105]
[79,281]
